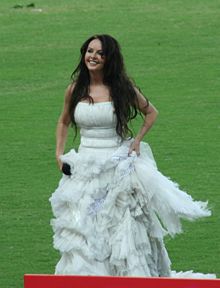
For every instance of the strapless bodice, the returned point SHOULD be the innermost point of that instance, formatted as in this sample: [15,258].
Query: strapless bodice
[97,123]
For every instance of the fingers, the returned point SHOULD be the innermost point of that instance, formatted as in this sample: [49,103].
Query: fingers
[134,153]
[137,152]
[134,149]
[130,151]
[59,164]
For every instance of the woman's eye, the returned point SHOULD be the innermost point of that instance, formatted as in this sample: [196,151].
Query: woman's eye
[101,53]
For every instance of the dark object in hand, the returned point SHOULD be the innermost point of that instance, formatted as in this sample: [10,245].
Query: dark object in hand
[66,169]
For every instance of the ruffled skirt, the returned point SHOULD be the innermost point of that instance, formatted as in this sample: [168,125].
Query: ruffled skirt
[112,213]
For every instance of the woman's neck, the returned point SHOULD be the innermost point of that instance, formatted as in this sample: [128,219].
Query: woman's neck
[96,78]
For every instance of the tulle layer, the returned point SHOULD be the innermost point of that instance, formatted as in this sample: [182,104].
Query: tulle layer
[112,214]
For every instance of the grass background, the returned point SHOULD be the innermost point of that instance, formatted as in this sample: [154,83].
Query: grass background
[171,49]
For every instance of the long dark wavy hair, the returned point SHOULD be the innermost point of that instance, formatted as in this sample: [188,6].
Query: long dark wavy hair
[121,88]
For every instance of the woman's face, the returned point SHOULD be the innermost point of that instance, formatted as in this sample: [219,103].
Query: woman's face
[94,57]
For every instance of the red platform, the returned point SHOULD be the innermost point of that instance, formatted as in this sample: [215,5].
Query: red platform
[58,281]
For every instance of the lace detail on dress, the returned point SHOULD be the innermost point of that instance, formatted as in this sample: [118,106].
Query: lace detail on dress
[96,206]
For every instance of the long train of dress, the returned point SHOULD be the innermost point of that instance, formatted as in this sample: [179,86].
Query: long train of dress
[112,213]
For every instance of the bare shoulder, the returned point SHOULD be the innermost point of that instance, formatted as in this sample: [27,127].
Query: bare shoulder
[142,100]
[69,91]
[65,115]
[144,105]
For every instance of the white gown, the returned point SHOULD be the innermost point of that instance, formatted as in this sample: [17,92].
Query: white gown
[112,213]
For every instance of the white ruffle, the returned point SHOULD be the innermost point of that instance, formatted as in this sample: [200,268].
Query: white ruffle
[191,274]
[112,213]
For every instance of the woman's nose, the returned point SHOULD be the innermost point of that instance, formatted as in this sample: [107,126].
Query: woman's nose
[93,55]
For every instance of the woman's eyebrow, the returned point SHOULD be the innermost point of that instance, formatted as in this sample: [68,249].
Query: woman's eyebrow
[100,50]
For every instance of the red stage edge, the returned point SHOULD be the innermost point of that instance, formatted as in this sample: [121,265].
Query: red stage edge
[64,281]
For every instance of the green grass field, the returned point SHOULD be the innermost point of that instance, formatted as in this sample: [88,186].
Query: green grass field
[171,49]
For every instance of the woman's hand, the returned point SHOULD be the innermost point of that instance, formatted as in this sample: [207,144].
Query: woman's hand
[59,163]
[134,147]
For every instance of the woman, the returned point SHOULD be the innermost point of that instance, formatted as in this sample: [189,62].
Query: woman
[113,208]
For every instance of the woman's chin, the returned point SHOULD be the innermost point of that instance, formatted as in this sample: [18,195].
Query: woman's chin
[94,69]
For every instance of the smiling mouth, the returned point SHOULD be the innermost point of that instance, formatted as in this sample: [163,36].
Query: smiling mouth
[93,62]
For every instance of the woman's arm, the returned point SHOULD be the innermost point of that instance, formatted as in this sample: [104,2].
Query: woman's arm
[62,126]
[150,115]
